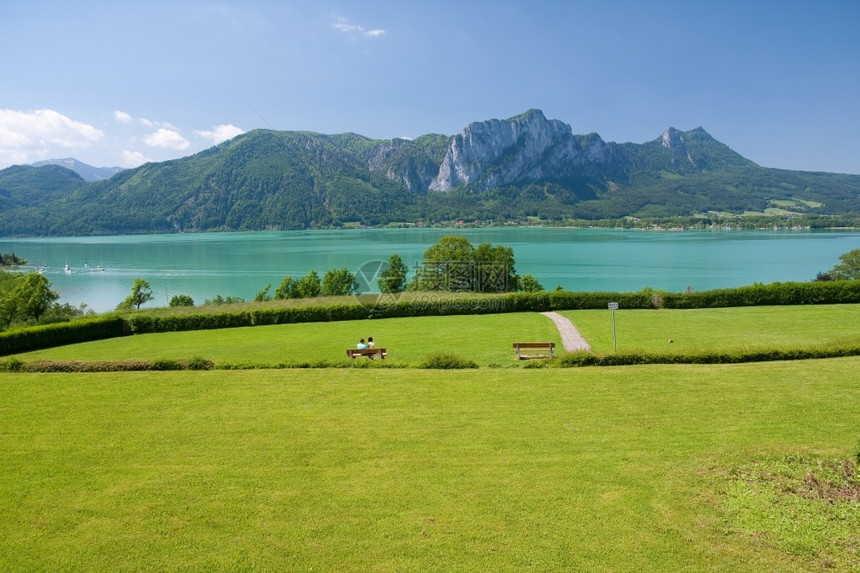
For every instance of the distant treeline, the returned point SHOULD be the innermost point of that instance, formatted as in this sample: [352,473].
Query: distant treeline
[11,260]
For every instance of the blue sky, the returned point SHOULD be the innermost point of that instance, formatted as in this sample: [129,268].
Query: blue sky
[121,83]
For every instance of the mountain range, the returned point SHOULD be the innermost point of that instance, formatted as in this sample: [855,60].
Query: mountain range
[87,172]
[524,167]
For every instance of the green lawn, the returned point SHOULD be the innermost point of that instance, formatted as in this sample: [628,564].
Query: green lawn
[591,469]
[485,339]
[718,328]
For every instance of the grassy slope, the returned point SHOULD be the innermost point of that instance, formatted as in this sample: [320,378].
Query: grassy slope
[719,328]
[483,338]
[486,339]
[609,469]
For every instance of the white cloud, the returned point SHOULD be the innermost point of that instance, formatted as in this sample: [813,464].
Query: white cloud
[24,134]
[343,25]
[122,117]
[167,139]
[220,133]
[24,129]
[154,124]
[133,158]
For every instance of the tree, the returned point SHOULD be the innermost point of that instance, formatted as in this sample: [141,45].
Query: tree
[141,293]
[286,289]
[263,295]
[181,300]
[308,286]
[494,269]
[10,260]
[849,268]
[453,264]
[447,265]
[339,282]
[529,283]
[393,279]
[32,296]
[61,312]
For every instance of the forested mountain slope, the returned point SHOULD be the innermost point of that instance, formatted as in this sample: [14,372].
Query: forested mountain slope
[496,170]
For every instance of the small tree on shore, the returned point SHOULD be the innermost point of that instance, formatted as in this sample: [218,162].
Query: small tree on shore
[339,282]
[32,296]
[285,289]
[141,293]
[849,268]
[453,264]
[308,286]
[181,300]
[529,283]
[393,279]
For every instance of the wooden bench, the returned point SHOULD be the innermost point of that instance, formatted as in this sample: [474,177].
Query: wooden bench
[369,352]
[546,347]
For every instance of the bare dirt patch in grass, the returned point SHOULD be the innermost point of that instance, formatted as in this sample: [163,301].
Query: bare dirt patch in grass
[803,504]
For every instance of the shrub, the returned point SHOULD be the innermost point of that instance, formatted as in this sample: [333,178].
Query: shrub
[165,364]
[446,361]
[198,363]
[13,364]
[181,300]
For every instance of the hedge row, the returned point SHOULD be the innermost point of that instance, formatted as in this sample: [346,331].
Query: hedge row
[762,355]
[13,364]
[792,293]
[432,304]
[429,305]
[60,333]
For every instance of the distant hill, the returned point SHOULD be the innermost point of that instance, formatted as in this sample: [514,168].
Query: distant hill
[493,171]
[87,172]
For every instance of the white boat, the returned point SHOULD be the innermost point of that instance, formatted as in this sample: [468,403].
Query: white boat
[67,269]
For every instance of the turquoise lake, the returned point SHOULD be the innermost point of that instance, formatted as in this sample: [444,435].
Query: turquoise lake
[242,264]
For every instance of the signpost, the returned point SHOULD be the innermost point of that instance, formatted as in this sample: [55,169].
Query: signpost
[613,306]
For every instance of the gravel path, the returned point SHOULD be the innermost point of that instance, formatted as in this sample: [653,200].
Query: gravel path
[571,339]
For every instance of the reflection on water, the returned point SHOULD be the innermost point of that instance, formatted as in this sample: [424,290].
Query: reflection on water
[242,264]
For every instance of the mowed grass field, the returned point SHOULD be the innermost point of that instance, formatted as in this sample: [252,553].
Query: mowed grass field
[486,339]
[587,469]
[739,328]
[638,468]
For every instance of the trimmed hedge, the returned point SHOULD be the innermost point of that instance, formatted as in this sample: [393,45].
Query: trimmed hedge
[790,293]
[60,333]
[14,365]
[762,355]
[436,304]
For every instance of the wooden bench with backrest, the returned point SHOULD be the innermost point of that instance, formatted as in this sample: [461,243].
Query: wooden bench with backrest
[534,349]
[369,352]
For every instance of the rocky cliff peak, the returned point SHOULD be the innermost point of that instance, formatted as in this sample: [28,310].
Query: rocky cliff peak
[499,152]
[672,138]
